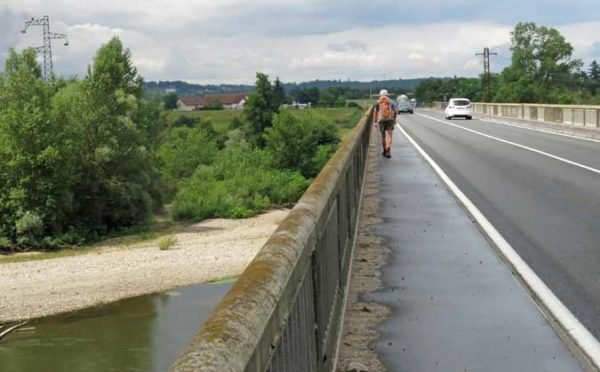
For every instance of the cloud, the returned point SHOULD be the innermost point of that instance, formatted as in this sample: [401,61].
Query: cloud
[584,38]
[595,50]
[230,40]
[352,45]
[10,26]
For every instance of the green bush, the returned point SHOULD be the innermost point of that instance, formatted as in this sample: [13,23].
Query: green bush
[240,183]
[4,241]
[186,121]
[322,156]
[30,229]
[293,142]
[167,243]
[183,150]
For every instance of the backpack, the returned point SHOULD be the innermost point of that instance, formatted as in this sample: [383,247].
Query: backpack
[386,109]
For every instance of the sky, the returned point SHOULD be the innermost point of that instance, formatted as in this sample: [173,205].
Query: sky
[228,41]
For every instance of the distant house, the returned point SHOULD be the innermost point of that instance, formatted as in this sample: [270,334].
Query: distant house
[298,105]
[189,103]
[230,101]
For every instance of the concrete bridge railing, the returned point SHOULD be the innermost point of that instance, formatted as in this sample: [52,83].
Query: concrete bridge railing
[284,313]
[572,115]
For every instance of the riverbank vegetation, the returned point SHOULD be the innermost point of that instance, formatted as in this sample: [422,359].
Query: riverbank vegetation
[82,159]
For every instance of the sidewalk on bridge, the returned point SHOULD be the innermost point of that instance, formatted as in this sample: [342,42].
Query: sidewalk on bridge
[453,304]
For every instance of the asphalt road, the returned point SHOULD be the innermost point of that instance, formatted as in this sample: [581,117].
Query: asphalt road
[540,191]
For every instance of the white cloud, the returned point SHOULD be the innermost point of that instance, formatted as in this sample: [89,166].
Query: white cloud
[584,38]
[230,40]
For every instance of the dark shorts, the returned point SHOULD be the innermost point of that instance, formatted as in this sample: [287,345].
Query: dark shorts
[386,125]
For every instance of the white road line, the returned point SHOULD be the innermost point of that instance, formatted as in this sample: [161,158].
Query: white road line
[577,332]
[495,121]
[583,166]
[490,119]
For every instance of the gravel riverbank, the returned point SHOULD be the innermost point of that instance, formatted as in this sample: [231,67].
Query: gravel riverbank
[205,251]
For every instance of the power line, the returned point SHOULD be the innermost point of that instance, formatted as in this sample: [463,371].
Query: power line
[487,76]
[47,47]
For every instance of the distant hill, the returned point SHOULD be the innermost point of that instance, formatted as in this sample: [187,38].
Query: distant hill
[392,85]
[183,88]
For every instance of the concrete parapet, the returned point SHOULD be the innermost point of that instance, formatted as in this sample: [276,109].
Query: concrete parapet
[591,118]
[567,115]
[284,312]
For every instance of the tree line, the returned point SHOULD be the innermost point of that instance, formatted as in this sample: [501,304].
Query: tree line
[189,89]
[83,158]
[542,70]
[326,97]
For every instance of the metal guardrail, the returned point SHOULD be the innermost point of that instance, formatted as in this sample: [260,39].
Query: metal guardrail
[284,312]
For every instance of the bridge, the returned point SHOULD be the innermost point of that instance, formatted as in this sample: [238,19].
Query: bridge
[476,218]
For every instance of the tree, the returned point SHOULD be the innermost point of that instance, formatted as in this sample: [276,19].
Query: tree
[327,98]
[542,69]
[33,171]
[279,97]
[258,110]
[592,78]
[170,101]
[594,73]
[115,176]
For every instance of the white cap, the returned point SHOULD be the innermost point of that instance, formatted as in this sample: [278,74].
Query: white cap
[383,92]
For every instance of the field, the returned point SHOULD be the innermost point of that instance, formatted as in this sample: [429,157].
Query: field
[220,119]
[344,118]
[364,103]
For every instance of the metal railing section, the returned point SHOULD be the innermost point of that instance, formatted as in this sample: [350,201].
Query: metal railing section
[284,312]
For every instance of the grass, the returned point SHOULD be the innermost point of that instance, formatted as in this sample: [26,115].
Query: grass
[364,103]
[167,243]
[225,279]
[345,118]
[220,119]
[126,240]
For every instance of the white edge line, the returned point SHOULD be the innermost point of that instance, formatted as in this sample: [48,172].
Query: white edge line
[586,342]
[583,166]
[497,121]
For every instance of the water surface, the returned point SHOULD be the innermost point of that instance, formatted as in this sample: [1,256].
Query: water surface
[145,333]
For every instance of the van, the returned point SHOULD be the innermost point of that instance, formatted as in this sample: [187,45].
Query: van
[404,104]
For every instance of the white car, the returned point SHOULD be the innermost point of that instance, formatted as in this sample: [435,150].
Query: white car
[459,107]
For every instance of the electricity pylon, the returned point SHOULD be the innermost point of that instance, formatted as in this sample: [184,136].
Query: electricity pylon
[487,76]
[47,47]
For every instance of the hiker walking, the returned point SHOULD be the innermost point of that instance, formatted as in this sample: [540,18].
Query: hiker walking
[385,119]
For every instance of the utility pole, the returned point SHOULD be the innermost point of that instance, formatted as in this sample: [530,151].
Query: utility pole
[487,76]
[47,47]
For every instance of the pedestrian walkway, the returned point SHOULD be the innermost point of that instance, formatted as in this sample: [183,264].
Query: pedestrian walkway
[455,305]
